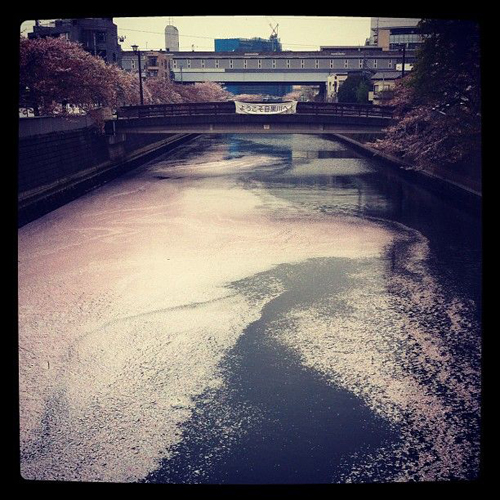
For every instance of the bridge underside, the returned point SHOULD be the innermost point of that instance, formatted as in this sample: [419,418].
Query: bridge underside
[252,129]
[251,124]
[247,77]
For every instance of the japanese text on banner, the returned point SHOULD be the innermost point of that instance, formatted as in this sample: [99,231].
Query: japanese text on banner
[254,108]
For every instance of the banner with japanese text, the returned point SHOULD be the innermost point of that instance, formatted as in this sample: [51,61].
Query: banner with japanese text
[256,108]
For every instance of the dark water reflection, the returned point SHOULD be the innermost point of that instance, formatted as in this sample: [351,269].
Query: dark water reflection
[298,429]
[372,191]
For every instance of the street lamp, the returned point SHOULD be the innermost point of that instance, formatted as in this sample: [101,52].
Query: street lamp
[136,50]
[403,47]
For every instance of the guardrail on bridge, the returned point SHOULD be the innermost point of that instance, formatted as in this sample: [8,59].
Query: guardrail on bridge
[228,108]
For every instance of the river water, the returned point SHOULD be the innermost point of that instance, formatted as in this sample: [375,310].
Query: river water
[251,309]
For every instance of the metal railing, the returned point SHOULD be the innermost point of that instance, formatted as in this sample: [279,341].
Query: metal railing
[228,108]
[341,109]
[182,109]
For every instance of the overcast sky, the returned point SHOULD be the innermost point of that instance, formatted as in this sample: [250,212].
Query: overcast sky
[295,32]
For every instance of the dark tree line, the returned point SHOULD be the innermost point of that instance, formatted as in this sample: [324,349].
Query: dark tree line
[355,89]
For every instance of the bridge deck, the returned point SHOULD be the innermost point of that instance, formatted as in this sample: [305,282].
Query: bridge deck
[228,107]
[221,117]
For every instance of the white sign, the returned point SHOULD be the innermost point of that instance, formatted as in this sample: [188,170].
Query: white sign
[408,67]
[257,108]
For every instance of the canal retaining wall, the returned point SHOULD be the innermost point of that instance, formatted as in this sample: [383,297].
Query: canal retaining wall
[59,160]
[458,185]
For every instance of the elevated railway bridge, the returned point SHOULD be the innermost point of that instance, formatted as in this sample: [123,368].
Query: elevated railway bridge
[287,67]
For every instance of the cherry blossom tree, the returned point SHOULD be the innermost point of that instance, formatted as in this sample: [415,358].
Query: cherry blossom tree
[163,91]
[249,97]
[204,92]
[55,71]
[125,88]
[437,107]
[294,95]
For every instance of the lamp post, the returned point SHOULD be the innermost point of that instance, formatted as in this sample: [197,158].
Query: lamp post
[404,60]
[136,50]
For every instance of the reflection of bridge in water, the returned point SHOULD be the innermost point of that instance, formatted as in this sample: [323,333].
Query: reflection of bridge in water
[221,117]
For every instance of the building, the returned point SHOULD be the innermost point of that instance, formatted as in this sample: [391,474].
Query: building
[248,45]
[333,83]
[171,38]
[154,63]
[391,33]
[99,36]
[367,62]
[254,46]
[383,85]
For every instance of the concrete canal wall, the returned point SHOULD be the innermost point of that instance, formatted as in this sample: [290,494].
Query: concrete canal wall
[61,158]
[462,184]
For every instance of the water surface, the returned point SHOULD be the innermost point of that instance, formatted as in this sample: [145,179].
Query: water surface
[251,309]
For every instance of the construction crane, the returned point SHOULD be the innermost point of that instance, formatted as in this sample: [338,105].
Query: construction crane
[274,36]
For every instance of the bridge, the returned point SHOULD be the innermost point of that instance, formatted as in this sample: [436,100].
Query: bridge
[221,117]
[289,68]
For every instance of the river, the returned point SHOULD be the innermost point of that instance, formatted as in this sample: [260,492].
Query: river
[251,309]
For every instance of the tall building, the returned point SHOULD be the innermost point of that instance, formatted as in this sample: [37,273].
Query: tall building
[99,36]
[154,63]
[253,45]
[171,38]
[392,32]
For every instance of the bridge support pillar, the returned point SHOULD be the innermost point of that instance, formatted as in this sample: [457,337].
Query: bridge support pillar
[116,146]
[321,96]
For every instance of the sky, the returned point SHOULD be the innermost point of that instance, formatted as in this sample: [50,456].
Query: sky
[295,32]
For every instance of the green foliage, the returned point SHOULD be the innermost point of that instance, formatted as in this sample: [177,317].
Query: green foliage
[362,92]
[354,89]
[448,61]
